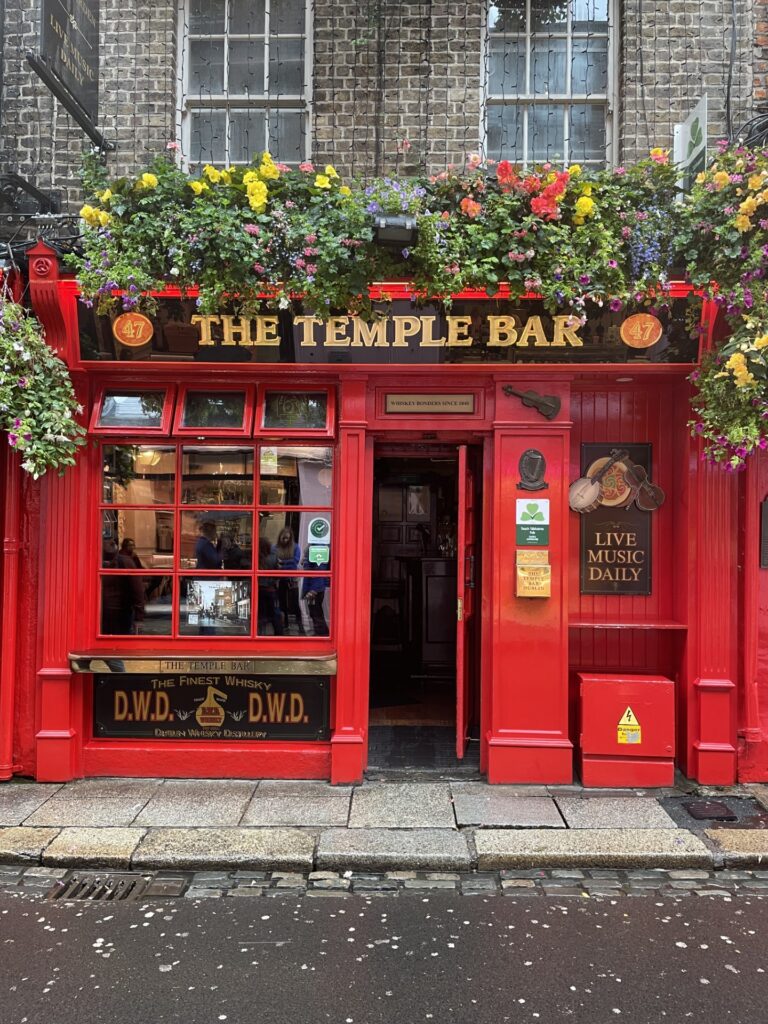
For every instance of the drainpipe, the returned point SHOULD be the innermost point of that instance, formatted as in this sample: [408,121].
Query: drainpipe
[11,549]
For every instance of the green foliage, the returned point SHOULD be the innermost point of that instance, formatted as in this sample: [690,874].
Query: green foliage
[37,401]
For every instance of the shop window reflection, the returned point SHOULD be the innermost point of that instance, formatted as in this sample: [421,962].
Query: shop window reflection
[137,539]
[216,539]
[218,409]
[296,410]
[215,607]
[293,605]
[136,605]
[138,475]
[299,540]
[295,475]
[217,476]
[132,410]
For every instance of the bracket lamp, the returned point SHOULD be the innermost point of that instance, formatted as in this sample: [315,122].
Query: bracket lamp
[395,231]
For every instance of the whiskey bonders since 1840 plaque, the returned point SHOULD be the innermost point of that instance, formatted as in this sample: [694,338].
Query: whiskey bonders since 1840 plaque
[615,537]
[211,707]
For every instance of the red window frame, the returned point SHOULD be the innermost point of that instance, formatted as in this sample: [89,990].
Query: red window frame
[246,427]
[286,433]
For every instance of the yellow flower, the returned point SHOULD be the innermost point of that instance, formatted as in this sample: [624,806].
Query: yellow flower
[748,207]
[737,362]
[90,215]
[269,170]
[701,177]
[104,218]
[330,171]
[743,380]
[147,181]
[755,181]
[578,220]
[345,190]
[761,342]
[212,174]
[104,196]
[586,189]
[742,223]
[584,206]
[257,196]
[226,177]
[574,170]
[249,177]
[721,179]
[322,181]
[198,186]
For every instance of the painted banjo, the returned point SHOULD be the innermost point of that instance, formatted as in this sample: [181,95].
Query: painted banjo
[584,493]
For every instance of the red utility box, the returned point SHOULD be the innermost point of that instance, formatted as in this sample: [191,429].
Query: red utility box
[627,730]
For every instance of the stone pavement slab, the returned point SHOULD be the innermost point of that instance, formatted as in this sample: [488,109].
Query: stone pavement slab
[614,812]
[19,845]
[618,848]
[93,847]
[379,849]
[741,847]
[477,803]
[96,802]
[201,802]
[192,848]
[304,803]
[19,799]
[420,805]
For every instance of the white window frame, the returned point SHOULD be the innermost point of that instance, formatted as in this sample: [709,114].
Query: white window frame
[188,103]
[608,99]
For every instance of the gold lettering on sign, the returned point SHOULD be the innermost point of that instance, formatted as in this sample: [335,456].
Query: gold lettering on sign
[266,330]
[368,334]
[457,328]
[206,323]
[336,332]
[503,331]
[307,325]
[428,340]
[405,327]
[565,331]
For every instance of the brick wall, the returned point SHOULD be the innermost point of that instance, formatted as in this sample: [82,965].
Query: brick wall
[385,72]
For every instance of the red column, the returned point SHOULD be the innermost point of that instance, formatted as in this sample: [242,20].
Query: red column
[9,607]
[528,738]
[353,585]
[708,751]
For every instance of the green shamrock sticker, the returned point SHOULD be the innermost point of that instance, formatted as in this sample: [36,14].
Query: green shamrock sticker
[532,522]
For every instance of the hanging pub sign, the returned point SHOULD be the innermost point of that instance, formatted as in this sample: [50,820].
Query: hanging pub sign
[616,527]
[69,49]
[470,331]
[211,707]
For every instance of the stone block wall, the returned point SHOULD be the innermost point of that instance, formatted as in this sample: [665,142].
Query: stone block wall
[397,86]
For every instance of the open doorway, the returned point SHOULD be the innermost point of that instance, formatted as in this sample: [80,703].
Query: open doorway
[420,630]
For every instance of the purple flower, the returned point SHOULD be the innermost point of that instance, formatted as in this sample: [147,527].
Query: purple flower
[23,382]
[406,253]
[17,422]
[13,439]
[373,207]
[615,305]
[612,264]
[584,279]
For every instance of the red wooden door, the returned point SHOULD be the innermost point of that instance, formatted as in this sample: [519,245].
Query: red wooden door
[465,598]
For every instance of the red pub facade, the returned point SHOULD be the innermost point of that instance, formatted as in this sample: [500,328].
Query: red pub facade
[286,537]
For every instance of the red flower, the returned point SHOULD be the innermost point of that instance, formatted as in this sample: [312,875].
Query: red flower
[505,173]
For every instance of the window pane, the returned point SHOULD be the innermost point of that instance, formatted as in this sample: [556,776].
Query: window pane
[121,410]
[206,17]
[286,66]
[548,66]
[505,132]
[286,16]
[286,135]
[589,72]
[137,539]
[215,607]
[507,16]
[587,132]
[296,476]
[590,15]
[297,540]
[214,409]
[246,67]
[136,605]
[507,67]
[206,67]
[294,605]
[246,17]
[246,134]
[296,410]
[215,539]
[546,132]
[138,475]
[549,15]
[208,137]
[217,476]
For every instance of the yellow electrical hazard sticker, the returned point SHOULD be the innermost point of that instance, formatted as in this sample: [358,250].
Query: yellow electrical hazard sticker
[628,729]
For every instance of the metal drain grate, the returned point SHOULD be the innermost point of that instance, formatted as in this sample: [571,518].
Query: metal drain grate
[122,887]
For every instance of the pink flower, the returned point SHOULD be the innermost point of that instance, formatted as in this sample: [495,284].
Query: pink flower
[252,229]
[310,239]
[310,251]
[474,160]
[620,170]
[307,167]
[311,268]
[626,232]
[172,145]
[258,268]
[403,146]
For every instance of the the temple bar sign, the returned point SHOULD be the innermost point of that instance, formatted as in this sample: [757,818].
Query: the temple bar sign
[427,331]
[69,45]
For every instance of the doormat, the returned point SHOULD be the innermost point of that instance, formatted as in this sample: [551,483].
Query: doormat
[420,747]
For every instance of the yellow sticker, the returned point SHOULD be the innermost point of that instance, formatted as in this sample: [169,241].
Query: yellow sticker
[628,729]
